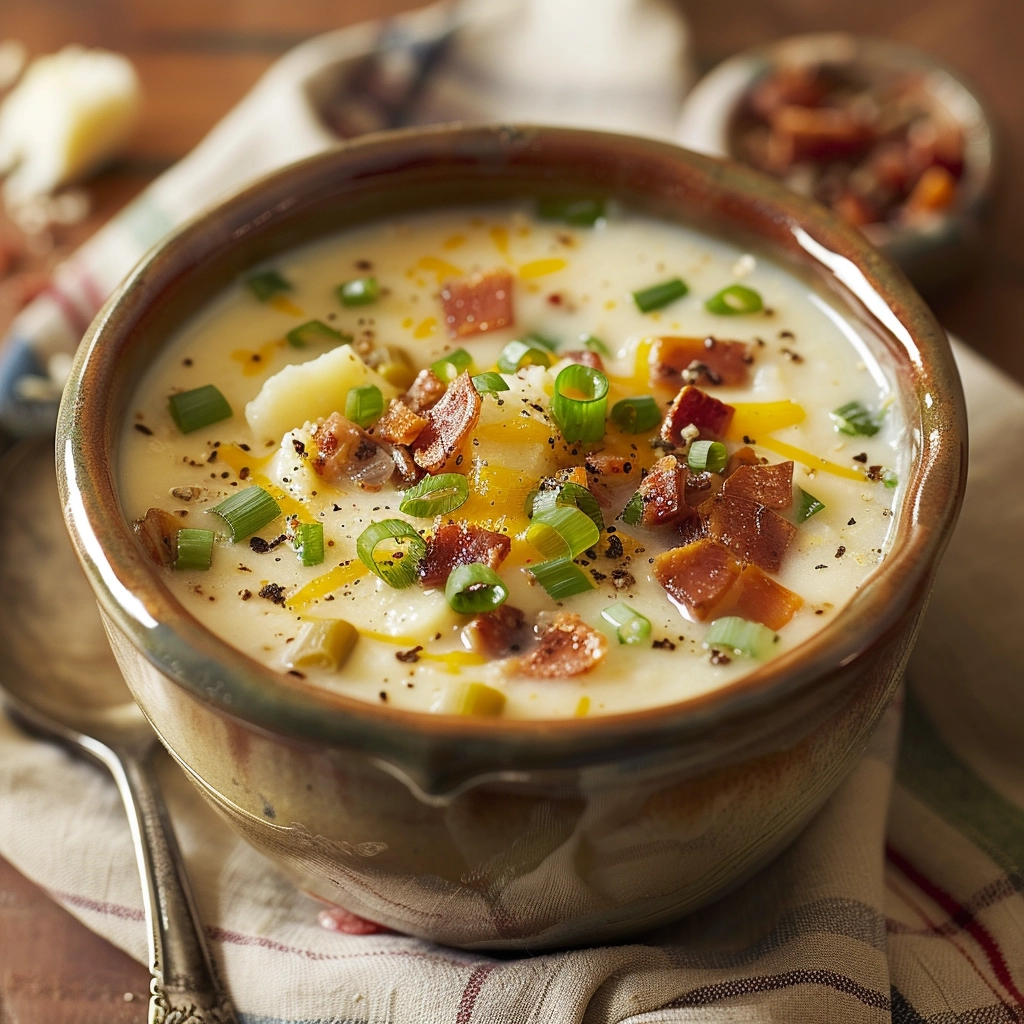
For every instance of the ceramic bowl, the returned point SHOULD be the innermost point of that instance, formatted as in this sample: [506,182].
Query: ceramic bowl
[932,254]
[488,832]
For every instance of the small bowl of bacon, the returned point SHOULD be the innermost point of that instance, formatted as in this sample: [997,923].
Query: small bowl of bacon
[892,140]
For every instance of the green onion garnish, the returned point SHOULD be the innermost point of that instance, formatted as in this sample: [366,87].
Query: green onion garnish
[448,367]
[630,626]
[649,299]
[391,549]
[561,578]
[634,510]
[562,532]
[311,332]
[595,344]
[195,549]
[889,478]
[580,403]
[636,415]
[707,457]
[809,506]
[360,291]
[325,644]
[572,493]
[364,404]
[740,636]
[198,408]
[735,300]
[309,543]
[489,383]
[474,588]
[856,420]
[584,213]
[435,496]
[522,353]
[247,511]
[266,284]
[539,339]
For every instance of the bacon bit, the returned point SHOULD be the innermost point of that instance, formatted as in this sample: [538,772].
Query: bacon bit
[408,472]
[767,485]
[763,600]
[692,405]
[662,493]
[741,457]
[400,425]
[585,357]
[479,303]
[496,633]
[935,190]
[344,451]
[803,133]
[457,544]
[568,647]
[698,576]
[424,392]
[678,361]
[701,486]
[157,531]
[449,425]
[753,532]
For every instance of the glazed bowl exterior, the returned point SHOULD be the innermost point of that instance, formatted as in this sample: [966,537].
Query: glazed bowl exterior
[488,832]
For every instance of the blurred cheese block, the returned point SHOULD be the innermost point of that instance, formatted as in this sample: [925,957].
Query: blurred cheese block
[71,111]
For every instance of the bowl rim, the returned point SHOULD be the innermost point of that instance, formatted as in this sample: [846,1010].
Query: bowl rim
[421,746]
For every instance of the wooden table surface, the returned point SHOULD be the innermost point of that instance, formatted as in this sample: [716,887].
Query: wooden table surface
[197,58]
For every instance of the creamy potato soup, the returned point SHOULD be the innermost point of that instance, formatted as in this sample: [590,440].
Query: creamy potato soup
[532,462]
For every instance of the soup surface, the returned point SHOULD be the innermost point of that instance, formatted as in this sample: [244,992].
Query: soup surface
[536,463]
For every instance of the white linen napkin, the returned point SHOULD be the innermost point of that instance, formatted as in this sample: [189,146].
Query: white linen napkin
[901,901]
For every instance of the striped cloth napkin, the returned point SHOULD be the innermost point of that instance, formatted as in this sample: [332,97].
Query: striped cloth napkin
[901,901]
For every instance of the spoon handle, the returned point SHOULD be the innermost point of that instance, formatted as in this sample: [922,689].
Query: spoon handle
[184,989]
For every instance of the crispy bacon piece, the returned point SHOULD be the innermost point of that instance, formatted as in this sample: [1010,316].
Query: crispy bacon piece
[763,600]
[678,361]
[802,85]
[449,425]
[400,424]
[157,531]
[768,485]
[408,472]
[568,647]
[461,544]
[821,133]
[744,456]
[662,492]
[710,416]
[346,452]
[698,576]
[751,531]
[496,633]
[701,486]
[479,303]
[935,190]
[585,357]
[424,392]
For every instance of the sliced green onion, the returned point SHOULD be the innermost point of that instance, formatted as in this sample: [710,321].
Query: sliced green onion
[636,415]
[325,644]
[392,550]
[855,420]
[594,344]
[583,212]
[630,626]
[360,291]
[448,367]
[266,284]
[247,511]
[311,332]
[572,493]
[195,549]
[735,300]
[309,543]
[364,404]
[562,532]
[580,418]
[539,339]
[649,299]
[463,698]
[435,496]
[474,588]
[634,510]
[707,457]
[809,506]
[490,383]
[561,578]
[519,353]
[889,478]
[740,636]
[198,408]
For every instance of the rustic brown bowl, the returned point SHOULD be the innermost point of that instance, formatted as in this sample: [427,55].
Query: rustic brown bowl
[489,832]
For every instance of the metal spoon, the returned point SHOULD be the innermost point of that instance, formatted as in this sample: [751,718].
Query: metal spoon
[58,678]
